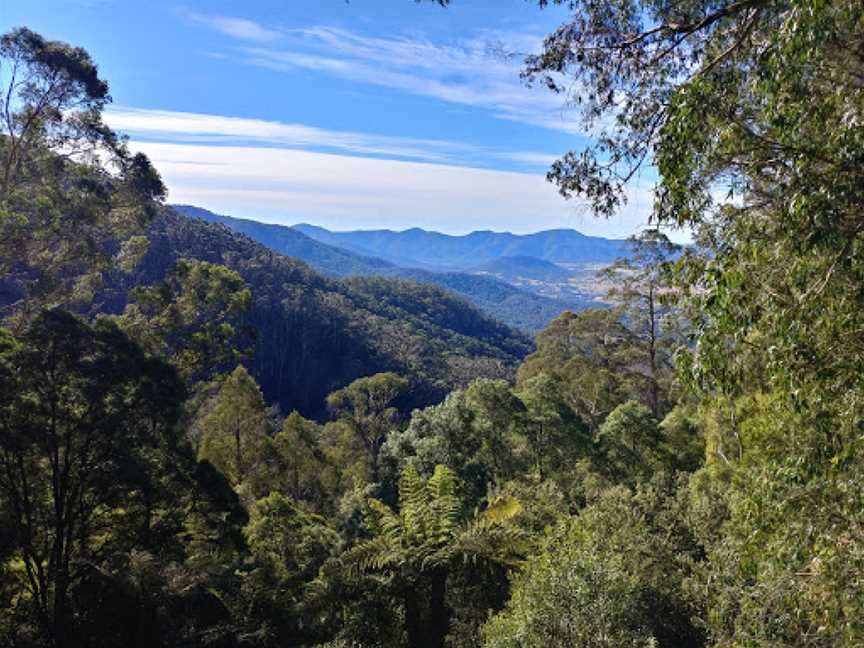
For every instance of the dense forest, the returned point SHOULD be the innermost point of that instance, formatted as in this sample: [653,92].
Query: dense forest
[206,443]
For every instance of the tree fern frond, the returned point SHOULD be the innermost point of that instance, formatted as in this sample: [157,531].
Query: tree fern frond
[444,504]
[413,503]
[371,555]
[389,523]
[499,542]
[502,509]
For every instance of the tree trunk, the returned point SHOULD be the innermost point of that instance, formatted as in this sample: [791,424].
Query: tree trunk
[439,615]
[427,630]
[652,353]
[413,619]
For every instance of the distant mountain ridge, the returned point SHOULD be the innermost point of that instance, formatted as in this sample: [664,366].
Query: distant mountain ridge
[515,307]
[421,248]
[294,243]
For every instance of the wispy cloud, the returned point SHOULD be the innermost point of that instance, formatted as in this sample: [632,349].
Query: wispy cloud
[239,28]
[481,71]
[164,125]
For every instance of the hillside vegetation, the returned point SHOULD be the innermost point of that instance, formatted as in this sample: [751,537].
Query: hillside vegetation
[204,442]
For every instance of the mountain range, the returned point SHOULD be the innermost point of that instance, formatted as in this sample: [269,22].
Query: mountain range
[433,250]
[521,290]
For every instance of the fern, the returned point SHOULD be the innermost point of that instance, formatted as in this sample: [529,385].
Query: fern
[427,532]
[413,504]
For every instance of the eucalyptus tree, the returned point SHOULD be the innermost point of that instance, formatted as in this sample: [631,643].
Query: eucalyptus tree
[640,285]
[73,198]
[366,408]
[236,432]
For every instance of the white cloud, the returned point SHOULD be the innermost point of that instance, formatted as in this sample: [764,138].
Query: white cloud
[344,192]
[473,72]
[239,28]
[200,128]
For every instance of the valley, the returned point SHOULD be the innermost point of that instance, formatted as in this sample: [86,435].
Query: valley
[491,270]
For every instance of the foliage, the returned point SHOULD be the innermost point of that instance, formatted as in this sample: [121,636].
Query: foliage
[288,546]
[597,361]
[640,285]
[418,546]
[610,576]
[366,408]
[752,113]
[69,187]
[114,534]
[193,318]
[236,432]
[315,335]
[80,408]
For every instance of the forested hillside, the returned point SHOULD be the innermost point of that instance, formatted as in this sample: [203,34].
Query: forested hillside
[517,308]
[316,334]
[293,243]
[204,442]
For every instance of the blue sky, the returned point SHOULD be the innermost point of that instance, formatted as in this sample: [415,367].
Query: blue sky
[373,113]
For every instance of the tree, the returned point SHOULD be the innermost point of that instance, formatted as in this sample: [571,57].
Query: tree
[69,187]
[365,406]
[418,547]
[193,318]
[640,281]
[301,464]
[630,444]
[78,407]
[609,577]
[474,432]
[236,431]
[594,358]
[288,546]
[556,437]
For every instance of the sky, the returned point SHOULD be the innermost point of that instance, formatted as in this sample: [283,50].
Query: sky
[349,115]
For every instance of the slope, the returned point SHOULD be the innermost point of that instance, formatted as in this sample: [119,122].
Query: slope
[316,334]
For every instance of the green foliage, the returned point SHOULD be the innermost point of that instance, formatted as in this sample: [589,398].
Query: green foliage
[365,407]
[113,534]
[640,284]
[80,409]
[192,318]
[472,432]
[69,187]
[418,546]
[630,443]
[597,361]
[236,432]
[315,335]
[301,466]
[287,547]
[610,576]
[515,307]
